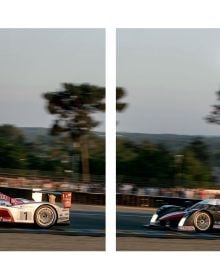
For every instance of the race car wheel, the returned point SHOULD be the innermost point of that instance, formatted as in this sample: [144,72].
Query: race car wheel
[203,221]
[45,216]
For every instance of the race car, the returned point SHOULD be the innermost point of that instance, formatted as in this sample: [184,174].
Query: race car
[42,214]
[202,216]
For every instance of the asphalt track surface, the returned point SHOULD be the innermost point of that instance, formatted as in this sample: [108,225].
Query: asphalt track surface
[86,232]
[134,234]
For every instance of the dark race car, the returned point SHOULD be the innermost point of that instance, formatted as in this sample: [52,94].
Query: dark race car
[202,216]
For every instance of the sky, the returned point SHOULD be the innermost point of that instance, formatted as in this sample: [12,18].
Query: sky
[170,77]
[35,61]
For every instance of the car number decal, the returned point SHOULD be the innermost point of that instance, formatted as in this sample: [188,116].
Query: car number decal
[24,215]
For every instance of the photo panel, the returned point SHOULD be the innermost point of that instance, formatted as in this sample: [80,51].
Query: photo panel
[52,139]
[168,139]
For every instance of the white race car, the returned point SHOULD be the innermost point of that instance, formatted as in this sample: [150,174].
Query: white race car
[43,214]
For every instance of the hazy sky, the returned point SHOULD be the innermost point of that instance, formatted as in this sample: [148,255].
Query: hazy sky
[34,61]
[171,76]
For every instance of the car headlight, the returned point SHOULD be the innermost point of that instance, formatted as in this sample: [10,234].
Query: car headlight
[154,218]
[182,221]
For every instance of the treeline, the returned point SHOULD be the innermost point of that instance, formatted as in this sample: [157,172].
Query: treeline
[153,165]
[56,155]
[144,164]
[175,143]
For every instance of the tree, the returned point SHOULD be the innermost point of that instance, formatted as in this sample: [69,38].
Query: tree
[200,149]
[144,163]
[12,147]
[120,93]
[214,116]
[74,106]
[11,133]
[195,172]
[196,163]
[12,155]
[97,155]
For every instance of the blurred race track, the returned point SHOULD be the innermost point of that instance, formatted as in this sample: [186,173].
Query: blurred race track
[133,235]
[86,232]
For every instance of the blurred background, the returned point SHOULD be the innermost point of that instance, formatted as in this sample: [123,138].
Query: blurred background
[52,104]
[168,141]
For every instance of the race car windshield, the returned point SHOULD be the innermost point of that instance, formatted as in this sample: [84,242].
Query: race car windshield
[198,205]
[4,203]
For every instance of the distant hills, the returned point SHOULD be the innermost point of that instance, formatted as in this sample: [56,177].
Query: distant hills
[173,142]
[33,133]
